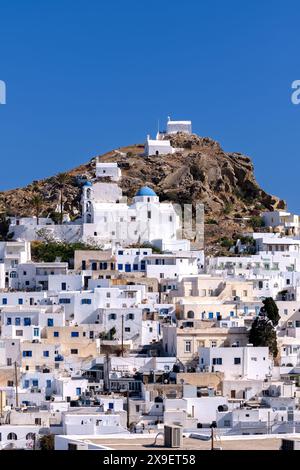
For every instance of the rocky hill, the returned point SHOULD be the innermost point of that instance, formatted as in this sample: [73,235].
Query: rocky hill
[200,172]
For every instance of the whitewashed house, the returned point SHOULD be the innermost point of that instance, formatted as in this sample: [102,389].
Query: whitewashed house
[237,362]
[158,147]
[178,126]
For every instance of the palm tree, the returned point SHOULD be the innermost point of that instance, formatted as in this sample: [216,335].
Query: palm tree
[37,203]
[61,180]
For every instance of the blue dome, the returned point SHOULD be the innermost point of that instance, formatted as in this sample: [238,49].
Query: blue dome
[145,191]
[88,183]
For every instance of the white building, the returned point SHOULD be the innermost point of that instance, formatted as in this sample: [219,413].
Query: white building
[171,266]
[107,219]
[283,220]
[158,147]
[110,170]
[179,126]
[237,362]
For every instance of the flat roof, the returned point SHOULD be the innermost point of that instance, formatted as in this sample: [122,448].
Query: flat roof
[134,442]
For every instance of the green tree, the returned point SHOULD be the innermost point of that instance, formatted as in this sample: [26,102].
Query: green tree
[47,442]
[256,221]
[36,202]
[271,310]
[4,228]
[112,333]
[60,182]
[262,332]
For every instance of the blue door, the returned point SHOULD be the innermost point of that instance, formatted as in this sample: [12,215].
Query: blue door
[127,268]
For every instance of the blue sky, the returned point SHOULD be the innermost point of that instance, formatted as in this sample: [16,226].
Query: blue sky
[85,77]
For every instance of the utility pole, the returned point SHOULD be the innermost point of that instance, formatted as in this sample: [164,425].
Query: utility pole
[122,335]
[128,415]
[16,382]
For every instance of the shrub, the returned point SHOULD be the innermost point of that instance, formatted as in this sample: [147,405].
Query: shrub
[47,442]
[226,242]
[227,208]
[49,252]
[256,221]
[212,222]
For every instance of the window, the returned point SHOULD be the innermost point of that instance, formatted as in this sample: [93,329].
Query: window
[9,361]
[8,321]
[27,354]
[36,332]
[48,383]
[26,383]
[83,265]
[227,423]
[38,421]
[35,383]
[78,391]
[19,332]
[210,315]
[64,301]
[130,316]
[108,295]
[297,324]
[120,252]
[94,266]
[20,301]
[120,267]
[30,436]
[112,316]
[217,361]
[10,383]
[127,329]
[18,321]
[187,346]
[63,286]
[237,360]
[27,321]
[190,314]
[149,214]
[74,334]
[4,301]
[254,359]
[46,353]
[86,301]
[74,351]
[56,334]
[135,267]
[50,322]
[12,436]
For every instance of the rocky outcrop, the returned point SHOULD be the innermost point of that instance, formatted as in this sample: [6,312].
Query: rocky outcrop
[199,172]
